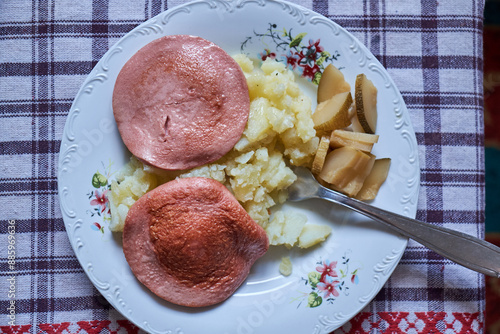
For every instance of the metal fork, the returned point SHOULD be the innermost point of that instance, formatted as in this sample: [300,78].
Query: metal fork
[464,249]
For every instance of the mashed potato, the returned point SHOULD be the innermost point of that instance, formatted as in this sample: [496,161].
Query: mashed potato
[279,131]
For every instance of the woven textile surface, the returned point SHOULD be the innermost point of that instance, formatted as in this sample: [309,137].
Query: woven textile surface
[433,51]
[492,152]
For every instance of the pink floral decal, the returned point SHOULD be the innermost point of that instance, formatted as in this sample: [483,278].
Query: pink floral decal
[306,58]
[267,54]
[328,281]
[327,269]
[328,286]
[97,227]
[98,199]
[101,200]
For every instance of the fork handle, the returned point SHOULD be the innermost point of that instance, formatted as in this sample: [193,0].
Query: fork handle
[464,249]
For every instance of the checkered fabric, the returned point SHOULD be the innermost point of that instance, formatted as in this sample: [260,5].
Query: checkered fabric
[433,51]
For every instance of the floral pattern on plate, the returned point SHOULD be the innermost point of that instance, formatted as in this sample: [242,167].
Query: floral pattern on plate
[307,59]
[98,198]
[328,281]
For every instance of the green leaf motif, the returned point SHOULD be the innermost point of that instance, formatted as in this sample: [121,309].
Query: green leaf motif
[317,78]
[296,41]
[314,300]
[313,278]
[325,54]
[99,180]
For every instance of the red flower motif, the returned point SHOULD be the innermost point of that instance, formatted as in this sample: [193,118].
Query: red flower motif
[97,227]
[310,71]
[100,199]
[267,53]
[327,269]
[328,287]
[292,59]
[315,44]
[308,57]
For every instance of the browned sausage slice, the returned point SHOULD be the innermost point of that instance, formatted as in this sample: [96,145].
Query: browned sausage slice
[190,242]
[180,102]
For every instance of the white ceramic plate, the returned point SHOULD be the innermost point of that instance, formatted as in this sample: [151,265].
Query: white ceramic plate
[363,254]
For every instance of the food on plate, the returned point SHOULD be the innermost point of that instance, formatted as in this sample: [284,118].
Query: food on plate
[190,242]
[313,234]
[131,182]
[180,102]
[333,113]
[366,103]
[332,82]
[291,229]
[321,152]
[258,179]
[346,163]
[284,228]
[279,132]
[355,125]
[285,266]
[374,180]
[346,169]
[279,112]
[361,141]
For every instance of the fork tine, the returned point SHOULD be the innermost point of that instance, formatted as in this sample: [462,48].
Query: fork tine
[304,187]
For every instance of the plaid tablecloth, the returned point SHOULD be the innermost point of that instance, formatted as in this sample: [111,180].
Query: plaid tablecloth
[433,51]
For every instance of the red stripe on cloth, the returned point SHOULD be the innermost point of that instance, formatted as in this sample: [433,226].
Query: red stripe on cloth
[18,329]
[54,328]
[363,323]
[94,327]
[415,322]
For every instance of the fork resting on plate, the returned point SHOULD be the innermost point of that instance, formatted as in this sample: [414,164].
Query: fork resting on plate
[464,249]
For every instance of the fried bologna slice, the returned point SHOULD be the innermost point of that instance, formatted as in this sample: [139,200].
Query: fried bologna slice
[190,242]
[180,102]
